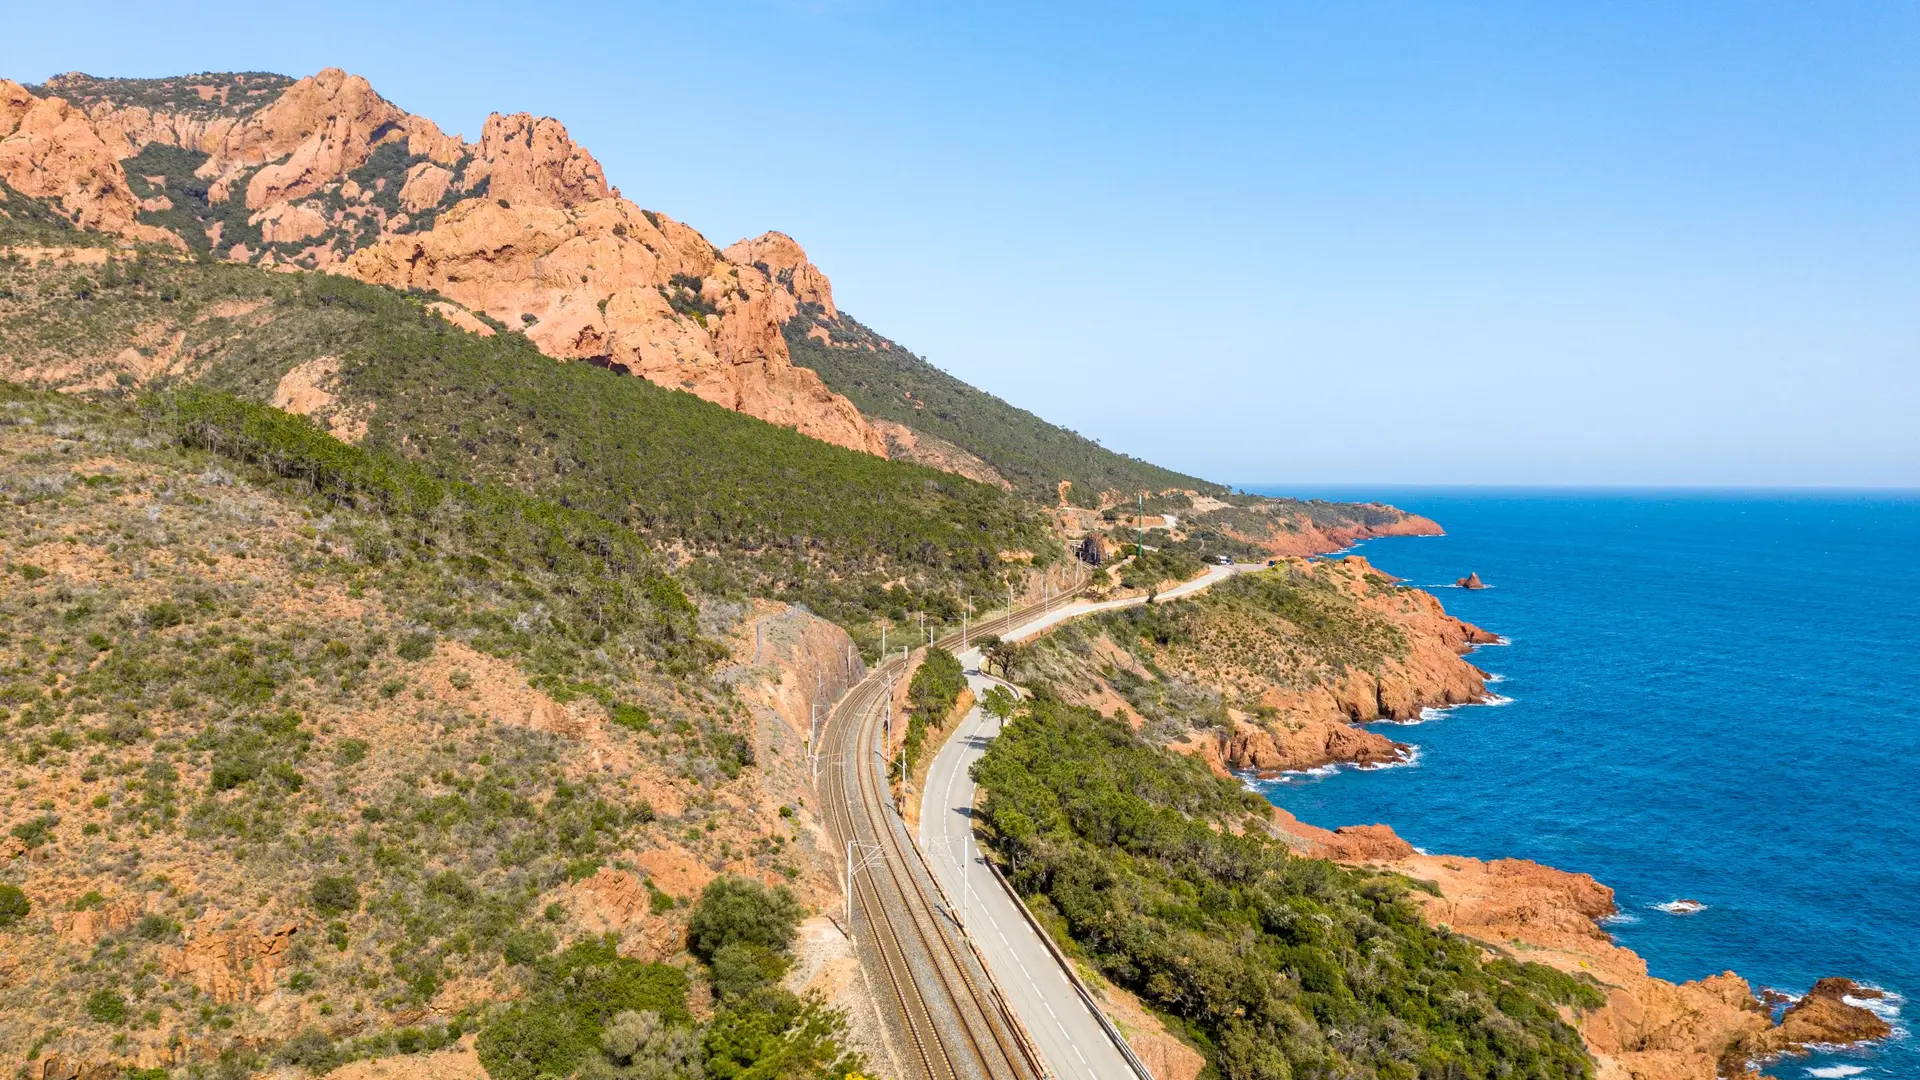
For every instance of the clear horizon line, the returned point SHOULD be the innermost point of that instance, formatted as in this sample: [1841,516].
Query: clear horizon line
[1873,489]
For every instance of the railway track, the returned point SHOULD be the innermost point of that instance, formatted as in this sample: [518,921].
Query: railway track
[948,1020]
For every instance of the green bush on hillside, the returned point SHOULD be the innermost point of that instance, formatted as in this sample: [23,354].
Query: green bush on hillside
[736,911]
[936,687]
[1167,879]
[577,994]
[14,905]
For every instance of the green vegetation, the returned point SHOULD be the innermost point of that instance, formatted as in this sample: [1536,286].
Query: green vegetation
[245,91]
[36,223]
[735,911]
[593,1013]
[14,905]
[609,584]
[745,933]
[576,995]
[160,171]
[889,382]
[755,509]
[1149,568]
[1166,879]
[106,1007]
[936,686]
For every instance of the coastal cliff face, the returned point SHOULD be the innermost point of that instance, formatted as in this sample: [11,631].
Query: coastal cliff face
[1273,671]
[521,227]
[1649,1029]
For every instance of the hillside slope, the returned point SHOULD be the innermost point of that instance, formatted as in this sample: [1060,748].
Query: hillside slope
[746,507]
[889,383]
[307,757]
[519,230]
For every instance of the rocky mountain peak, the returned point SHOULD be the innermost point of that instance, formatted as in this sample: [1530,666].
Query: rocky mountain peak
[776,255]
[522,226]
[528,158]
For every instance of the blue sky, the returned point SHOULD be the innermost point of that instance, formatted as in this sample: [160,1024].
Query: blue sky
[1639,243]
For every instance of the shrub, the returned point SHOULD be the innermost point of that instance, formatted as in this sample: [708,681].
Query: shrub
[415,647]
[643,1046]
[35,831]
[632,717]
[312,1050]
[156,927]
[335,895]
[576,996]
[106,1007]
[527,946]
[14,905]
[739,969]
[735,911]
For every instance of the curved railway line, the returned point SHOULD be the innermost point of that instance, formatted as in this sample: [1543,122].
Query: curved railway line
[949,1021]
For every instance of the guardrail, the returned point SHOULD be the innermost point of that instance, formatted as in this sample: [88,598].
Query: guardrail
[1066,965]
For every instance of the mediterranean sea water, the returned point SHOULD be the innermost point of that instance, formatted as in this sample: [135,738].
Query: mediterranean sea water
[1713,697]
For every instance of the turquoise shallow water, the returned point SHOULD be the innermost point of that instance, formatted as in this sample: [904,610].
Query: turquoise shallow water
[1714,696]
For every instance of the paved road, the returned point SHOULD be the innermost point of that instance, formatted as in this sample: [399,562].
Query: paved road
[1065,610]
[945,1021]
[943,1016]
[1063,1025]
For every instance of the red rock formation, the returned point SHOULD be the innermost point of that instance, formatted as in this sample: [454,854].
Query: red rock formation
[535,160]
[782,260]
[231,965]
[551,247]
[591,282]
[48,150]
[1300,536]
[1471,581]
[1648,1029]
[1825,1016]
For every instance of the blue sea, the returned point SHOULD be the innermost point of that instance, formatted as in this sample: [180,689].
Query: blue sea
[1713,696]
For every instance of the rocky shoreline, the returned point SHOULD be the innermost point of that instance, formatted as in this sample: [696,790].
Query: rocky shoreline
[1649,1028]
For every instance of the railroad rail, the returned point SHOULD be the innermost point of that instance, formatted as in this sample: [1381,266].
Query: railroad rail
[949,1021]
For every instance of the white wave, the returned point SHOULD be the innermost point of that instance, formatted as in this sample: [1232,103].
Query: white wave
[1681,907]
[1837,1072]
[1619,918]
[1300,776]
[1886,1007]
[1495,677]
[1407,760]
[1497,699]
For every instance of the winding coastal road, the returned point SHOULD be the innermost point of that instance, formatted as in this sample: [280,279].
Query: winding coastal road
[968,986]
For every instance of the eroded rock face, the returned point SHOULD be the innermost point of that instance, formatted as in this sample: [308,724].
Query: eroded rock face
[232,965]
[782,260]
[631,290]
[1825,1015]
[1648,1029]
[522,225]
[48,150]
[524,158]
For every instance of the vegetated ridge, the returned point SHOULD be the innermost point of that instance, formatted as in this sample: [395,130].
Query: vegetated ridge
[522,230]
[745,507]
